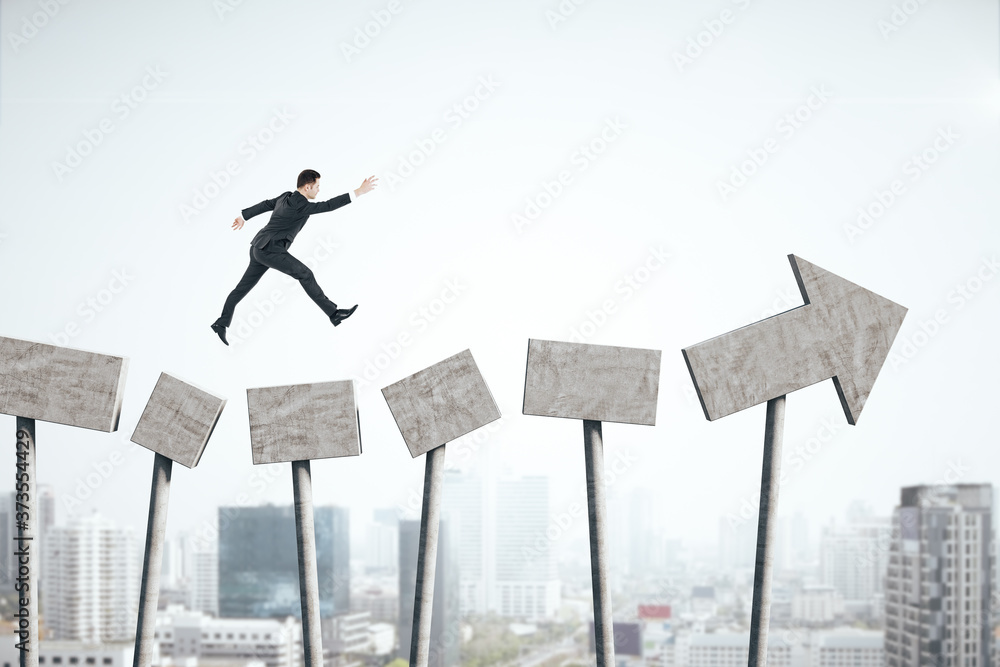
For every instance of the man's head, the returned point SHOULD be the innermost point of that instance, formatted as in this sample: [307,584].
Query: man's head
[308,183]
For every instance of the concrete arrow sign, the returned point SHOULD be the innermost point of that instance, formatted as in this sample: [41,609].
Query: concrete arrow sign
[842,332]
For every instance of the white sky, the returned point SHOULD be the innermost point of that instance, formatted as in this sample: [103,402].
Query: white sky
[63,236]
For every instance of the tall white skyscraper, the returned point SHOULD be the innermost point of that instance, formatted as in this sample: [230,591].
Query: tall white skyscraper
[527,585]
[940,578]
[853,557]
[383,541]
[203,580]
[464,504]
[91,586]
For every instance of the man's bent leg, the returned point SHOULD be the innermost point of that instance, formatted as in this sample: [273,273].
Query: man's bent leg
[250,278]
[278,258]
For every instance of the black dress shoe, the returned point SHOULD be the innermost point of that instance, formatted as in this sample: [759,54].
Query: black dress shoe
[340,315]
[221,330]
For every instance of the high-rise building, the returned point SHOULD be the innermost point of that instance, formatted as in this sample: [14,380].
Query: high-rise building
[258,561]
[203,581]
[91,590]
[445,619]
[940,578]
[853,557]
[527,585]
[464,503]
[383,541]
[737,542]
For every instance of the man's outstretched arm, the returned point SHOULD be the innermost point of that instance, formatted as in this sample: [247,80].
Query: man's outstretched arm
[342,200]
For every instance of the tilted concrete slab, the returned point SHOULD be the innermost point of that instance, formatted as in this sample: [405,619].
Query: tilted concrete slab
[301,422]
[61,384]
[593,382]
[441,403]
[178,420]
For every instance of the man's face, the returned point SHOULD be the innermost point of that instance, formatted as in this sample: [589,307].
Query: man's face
[312,189]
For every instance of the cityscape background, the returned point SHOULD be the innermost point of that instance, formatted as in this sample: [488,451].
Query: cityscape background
[627,174]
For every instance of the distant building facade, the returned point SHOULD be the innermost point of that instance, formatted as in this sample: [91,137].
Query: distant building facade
[258,561]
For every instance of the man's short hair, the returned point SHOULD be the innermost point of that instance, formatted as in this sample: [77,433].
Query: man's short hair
[306,177]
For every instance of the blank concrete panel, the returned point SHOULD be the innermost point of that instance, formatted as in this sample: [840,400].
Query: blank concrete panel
[441,403]
[595,382]
[301,422]
[61,385]
[178,420]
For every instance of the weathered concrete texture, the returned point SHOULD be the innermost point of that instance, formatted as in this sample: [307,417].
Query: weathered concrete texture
[593,450]
[178,420]
[61,384]
[305,542]
[760,613]
[430,523]
[843,332]
[149,590]
[594,382]
[304,421]
[441,403]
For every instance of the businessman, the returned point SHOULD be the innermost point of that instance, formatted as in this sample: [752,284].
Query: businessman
[269,248]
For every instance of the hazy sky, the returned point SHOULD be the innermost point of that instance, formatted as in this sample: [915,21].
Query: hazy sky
[538,161]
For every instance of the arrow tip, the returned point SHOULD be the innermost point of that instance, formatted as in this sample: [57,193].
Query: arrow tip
[863,326]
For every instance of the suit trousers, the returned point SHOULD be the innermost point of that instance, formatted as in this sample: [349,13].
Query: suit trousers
[274,255]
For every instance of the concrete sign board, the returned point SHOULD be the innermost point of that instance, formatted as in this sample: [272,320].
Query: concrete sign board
[303,422]
[592,382]
[441,403]
[61,385]
[178,420]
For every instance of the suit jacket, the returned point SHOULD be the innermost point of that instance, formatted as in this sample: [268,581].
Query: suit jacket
[290,212]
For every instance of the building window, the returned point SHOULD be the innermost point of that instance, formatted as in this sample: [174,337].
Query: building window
[57,660]
[106,661]
[74,660]
[91,660]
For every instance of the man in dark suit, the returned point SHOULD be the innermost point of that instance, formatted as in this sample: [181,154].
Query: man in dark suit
[269,248]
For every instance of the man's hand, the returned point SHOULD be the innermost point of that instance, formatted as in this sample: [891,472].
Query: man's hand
[367,186]
[238,223]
